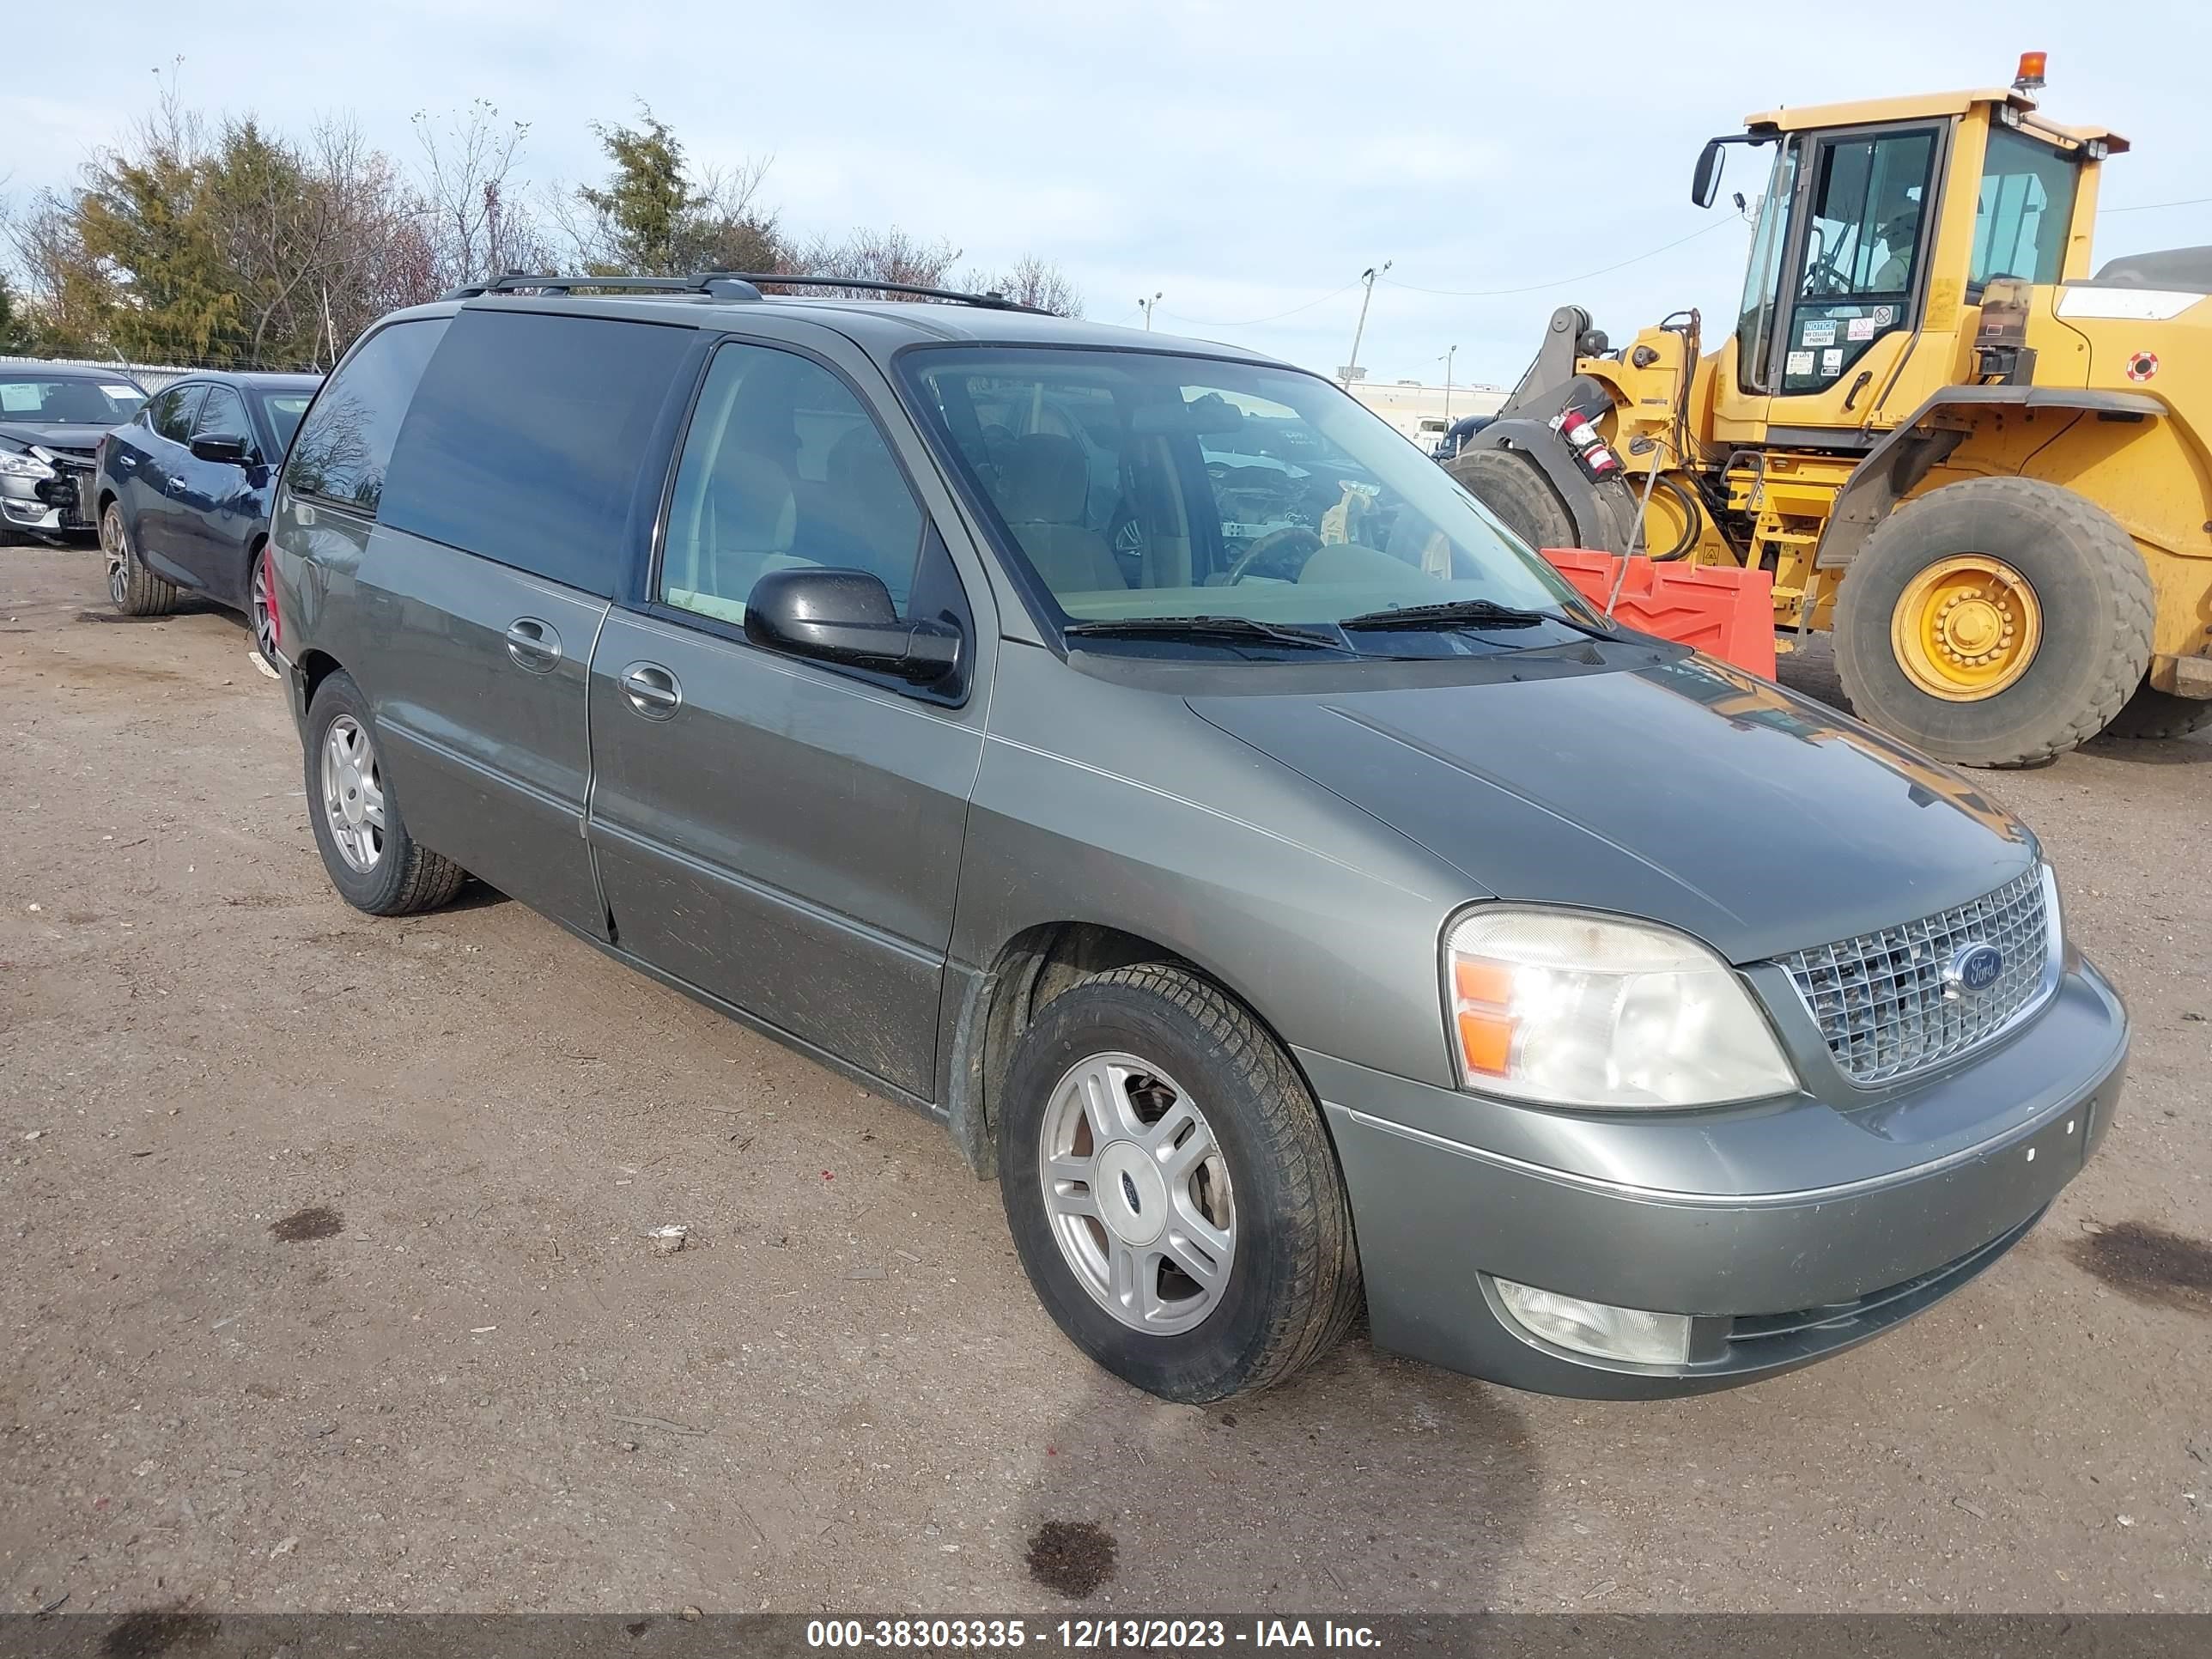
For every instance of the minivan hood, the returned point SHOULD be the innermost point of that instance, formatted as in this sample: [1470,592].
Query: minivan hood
[1686,792]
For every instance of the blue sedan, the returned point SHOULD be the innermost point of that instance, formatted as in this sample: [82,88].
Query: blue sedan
[182,493]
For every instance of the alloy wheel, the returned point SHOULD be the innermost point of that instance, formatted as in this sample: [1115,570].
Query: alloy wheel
[265,635]
[1138,1194]
[117,546]
[353,793]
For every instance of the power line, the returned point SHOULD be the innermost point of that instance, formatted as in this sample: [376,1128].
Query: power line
[2152,207]
[1538,288]
[1254,322]
[1562,281]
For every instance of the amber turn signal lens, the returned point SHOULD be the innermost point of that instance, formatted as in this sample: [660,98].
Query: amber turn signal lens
[1483,981]
[1485,1043]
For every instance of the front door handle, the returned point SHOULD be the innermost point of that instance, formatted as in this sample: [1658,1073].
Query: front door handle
[533,644]
[652,690]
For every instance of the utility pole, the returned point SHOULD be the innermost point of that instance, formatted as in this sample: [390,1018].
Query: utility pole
[1145,305]
[1450,353]
[1351,370]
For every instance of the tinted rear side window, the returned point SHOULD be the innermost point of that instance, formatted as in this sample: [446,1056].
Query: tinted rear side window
[528,439]
[344,448]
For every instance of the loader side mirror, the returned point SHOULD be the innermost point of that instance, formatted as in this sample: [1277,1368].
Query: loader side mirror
[1705,182]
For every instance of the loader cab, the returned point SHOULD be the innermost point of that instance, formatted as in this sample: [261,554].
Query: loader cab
[1869,259]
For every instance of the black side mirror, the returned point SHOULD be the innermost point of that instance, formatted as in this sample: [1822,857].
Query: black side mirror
[236,451]
[847,616]
[1705,182]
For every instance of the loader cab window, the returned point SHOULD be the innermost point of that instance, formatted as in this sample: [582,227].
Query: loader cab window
[2024,211]
[1869,207]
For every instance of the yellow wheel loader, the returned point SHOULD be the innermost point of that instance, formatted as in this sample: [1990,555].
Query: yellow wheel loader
[1984,468]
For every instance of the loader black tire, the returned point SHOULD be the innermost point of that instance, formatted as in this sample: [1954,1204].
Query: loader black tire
[1517,494]
[2090,584]
[2153,714]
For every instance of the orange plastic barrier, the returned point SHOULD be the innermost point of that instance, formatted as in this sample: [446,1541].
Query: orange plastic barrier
[1722,611]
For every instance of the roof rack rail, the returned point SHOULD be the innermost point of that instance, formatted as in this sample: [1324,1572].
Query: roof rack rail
[730,285]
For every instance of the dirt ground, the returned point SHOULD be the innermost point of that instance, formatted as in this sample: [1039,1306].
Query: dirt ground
[327,1287]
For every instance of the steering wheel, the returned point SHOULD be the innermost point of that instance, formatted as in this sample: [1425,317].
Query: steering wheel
[1273,545]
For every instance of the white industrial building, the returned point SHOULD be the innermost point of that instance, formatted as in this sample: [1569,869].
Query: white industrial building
[1424,413]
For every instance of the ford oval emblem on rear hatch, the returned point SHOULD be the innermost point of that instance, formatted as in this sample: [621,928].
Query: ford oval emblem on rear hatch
[1974,968]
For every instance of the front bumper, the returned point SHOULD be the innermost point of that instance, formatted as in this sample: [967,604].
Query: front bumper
[48,507]
[1789,1230]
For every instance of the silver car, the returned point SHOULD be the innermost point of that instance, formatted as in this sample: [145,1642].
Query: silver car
[1132,753]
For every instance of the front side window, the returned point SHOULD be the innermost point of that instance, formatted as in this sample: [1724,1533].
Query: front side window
[1859,271]
[344,448]
[526,443]
[222,415]
[783,468]
[68,402]
[1145,487]
[173,412]
[2024,211]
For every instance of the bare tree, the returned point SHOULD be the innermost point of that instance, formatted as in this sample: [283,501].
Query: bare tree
[881,256]
[476,225]
[1032,282]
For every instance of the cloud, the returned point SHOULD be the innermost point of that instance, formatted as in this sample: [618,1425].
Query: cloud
[1247,160]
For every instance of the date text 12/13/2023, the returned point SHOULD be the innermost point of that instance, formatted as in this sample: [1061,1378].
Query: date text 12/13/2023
[984,1635]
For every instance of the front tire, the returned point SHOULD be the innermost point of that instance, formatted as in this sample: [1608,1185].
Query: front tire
[132,589]
[1171,1189]
[1995,622]
[1516,494]
[375,865]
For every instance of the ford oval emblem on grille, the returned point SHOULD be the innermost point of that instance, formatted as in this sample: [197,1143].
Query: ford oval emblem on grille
[1974,968]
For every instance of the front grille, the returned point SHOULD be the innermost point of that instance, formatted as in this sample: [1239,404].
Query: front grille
[1882,1000]
[71,492]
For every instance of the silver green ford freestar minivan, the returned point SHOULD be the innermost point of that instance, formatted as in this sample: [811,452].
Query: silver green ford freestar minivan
[1131,752]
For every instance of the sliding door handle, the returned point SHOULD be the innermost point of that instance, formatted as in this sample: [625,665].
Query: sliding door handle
[534,644]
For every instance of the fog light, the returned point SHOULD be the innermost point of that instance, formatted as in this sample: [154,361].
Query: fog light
[1597,1327]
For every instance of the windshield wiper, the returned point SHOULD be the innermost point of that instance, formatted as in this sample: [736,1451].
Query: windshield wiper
[1202,628]
[1466,613]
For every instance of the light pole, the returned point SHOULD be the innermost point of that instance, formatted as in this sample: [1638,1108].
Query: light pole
[1367,277]
[1446,360]
[1145,305]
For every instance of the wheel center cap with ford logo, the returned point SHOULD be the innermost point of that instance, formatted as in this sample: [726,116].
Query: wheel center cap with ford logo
[1973,969]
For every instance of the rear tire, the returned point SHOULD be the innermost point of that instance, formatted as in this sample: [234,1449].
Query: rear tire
[386,873]
[132,589]
[2090,594]
[2152,713]
[1516,494]
[1166,1039]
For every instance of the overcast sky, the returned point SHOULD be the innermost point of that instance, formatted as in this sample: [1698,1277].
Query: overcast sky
[1245,160]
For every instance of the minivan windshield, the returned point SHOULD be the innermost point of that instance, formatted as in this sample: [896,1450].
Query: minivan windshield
[1228,505]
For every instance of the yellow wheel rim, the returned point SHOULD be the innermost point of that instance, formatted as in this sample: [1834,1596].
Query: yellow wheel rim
[1965,628]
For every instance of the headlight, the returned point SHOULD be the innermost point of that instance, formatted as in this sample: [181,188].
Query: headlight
[1570,1010]
[24,466]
